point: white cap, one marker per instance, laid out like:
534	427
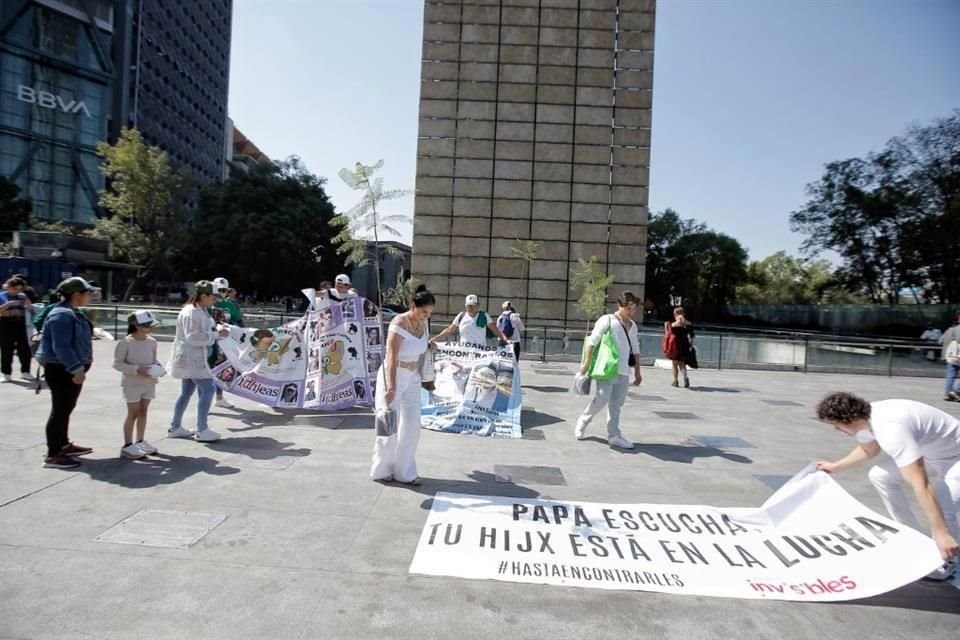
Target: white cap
506	304
342	279
220	283
143	317
472	299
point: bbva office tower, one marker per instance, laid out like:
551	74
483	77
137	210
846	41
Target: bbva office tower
534	125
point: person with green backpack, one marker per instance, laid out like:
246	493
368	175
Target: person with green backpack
473	325
609	353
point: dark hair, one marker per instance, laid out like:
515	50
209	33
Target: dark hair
627	298
678	311
195	298
55	297
422	297
15	281
843	408
131	329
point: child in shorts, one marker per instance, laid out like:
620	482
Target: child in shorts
136	358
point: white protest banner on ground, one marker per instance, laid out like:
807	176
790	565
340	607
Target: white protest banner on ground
477	390
325	360
810	541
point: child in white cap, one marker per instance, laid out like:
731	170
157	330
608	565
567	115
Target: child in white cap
135	356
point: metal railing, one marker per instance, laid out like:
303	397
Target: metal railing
715	350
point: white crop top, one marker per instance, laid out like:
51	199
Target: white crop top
412	347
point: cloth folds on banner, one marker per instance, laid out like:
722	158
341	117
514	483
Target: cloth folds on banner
477	390
325	360
810	541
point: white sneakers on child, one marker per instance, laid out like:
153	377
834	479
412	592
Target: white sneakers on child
132	452
146	447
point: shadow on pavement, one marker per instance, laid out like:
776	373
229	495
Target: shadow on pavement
152	471
480	483
546	389
940	597
683	453
257	447
717	389
530	419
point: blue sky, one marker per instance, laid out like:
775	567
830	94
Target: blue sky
751	97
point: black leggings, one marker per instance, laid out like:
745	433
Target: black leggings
13	337
64	393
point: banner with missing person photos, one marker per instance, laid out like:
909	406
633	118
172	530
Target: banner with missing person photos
477	390
326	360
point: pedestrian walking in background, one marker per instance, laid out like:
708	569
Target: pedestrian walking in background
195	335
135	356
14	310
950	340
511	326
66	353
612	393
472	325
682	331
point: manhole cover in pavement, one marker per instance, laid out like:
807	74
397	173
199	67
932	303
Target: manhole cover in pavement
772	481
724	442
783	403
677	415
520	474
162	528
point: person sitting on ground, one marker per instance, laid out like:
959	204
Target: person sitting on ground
472	325
923	445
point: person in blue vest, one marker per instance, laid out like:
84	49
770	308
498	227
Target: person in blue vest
511	326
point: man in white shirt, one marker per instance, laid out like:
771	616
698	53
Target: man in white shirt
472	325
923	445
613	393
952	386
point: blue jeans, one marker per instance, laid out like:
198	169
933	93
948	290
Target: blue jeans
204	388
953	372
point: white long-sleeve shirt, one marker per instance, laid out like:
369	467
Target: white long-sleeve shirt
195	335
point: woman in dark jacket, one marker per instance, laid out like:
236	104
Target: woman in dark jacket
66	353
683	333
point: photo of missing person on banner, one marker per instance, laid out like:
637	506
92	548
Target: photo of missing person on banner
290	394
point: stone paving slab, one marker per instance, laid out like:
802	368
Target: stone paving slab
311	548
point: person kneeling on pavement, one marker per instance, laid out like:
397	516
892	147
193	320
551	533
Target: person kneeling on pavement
923	445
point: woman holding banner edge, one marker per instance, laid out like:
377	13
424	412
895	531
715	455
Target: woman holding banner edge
398	388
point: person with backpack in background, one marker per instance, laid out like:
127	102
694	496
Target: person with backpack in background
511	325
14	308
473	325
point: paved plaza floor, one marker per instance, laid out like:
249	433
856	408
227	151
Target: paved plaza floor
301	544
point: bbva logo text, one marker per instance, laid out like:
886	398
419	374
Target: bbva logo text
51	101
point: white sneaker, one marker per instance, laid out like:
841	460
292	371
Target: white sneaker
581	431
6	378
942	573
180	432
223	403
132	452
28	376
620	442
146	447
207	435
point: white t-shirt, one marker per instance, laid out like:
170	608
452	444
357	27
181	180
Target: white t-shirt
469	331
623	345
907	430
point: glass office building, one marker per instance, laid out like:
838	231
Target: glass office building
75	72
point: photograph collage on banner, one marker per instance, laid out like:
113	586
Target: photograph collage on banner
320	361
477	390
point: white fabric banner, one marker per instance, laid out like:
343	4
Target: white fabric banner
810	541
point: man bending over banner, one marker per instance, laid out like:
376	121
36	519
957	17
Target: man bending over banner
924	448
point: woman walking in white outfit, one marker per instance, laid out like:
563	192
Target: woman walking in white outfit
398	387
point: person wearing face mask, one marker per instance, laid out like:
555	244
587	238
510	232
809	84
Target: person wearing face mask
196	334
66	353
398	388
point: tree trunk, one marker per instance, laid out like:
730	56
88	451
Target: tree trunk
376	250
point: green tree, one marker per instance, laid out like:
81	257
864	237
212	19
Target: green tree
590	281
268	230
145	199
364	220
526	251
687	260
401	294
14	210
786	279
893	216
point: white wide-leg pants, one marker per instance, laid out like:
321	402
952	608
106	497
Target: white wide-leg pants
396	455
944	476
